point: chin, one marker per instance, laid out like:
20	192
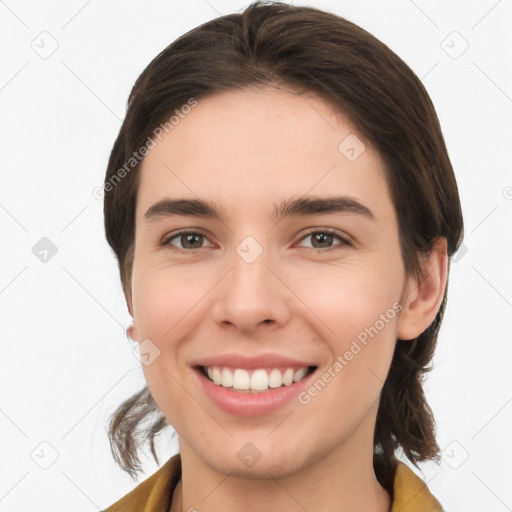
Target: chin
259	460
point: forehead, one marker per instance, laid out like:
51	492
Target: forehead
260	147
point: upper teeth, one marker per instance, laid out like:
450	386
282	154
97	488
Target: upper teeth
259	380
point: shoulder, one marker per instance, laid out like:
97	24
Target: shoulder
153	494
411	493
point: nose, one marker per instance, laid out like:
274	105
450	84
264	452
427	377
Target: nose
250	297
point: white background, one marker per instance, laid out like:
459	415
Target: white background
66	363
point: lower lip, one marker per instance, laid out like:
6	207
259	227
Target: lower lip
252	404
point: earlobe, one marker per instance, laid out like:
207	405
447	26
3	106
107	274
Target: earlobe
423	297
131	332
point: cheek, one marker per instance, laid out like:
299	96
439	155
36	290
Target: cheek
350	296
166	309
166	301
358	307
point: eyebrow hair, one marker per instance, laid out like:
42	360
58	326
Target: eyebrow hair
292	207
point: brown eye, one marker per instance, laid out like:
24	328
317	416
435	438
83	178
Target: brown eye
324	240
186	241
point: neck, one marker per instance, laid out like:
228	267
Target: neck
338	482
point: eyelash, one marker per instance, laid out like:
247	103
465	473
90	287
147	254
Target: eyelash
344	240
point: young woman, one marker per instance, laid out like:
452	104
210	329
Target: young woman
283	209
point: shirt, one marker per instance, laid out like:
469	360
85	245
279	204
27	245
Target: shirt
155	493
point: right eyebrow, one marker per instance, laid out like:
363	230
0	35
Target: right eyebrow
193	207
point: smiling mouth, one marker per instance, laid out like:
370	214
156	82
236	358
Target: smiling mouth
255	380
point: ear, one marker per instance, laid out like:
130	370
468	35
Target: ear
132	332
422	298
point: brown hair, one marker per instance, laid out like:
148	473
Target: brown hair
272	43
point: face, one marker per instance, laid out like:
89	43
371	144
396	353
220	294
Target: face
257	289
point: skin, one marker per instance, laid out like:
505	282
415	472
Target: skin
245	151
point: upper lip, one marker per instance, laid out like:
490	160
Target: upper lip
234	360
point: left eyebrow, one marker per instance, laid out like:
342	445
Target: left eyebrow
303	206
322	205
